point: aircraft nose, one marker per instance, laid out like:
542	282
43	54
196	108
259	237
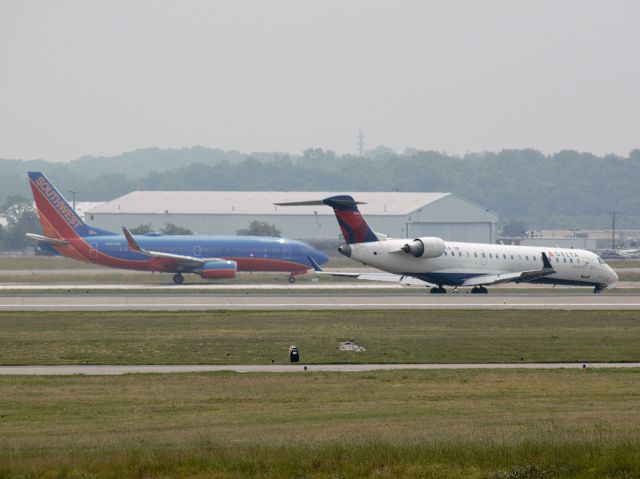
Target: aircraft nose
320	257
613	277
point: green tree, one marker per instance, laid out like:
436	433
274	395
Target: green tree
171	229
21	218
141	229
259	228
514	228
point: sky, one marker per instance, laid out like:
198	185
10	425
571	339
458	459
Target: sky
103	77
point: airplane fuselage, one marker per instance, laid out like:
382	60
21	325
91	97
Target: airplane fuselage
461	261
251	253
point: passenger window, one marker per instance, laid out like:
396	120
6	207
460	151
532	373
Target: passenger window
483	255
490	256
557	259
511	256
520	257
527	257
459	253
533	258
475	255
504	256
445	253
570	260
578	260
564	259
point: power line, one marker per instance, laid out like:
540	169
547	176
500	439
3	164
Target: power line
613	228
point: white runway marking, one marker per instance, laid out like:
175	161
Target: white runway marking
284	368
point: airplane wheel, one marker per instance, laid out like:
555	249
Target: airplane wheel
597	290
439	290
292	279
483	290
178	278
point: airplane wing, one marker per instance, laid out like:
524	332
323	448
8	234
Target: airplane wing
46	239
180	259
385	277
517	277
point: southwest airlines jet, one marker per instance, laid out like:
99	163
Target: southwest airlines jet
433	261
211	257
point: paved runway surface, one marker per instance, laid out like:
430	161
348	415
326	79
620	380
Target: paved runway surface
302	301
270	368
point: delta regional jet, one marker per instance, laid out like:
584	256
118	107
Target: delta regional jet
210	257
434	262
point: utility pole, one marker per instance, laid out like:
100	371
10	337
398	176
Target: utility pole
613	229
360	143
73	194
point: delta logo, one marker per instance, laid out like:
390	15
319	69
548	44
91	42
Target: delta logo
58	202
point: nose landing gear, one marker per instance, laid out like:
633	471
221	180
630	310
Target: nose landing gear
597	289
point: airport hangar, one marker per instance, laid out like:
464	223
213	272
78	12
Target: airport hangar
395	214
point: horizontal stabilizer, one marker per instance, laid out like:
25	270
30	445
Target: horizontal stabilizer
47	240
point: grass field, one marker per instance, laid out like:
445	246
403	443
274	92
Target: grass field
432	424
258	337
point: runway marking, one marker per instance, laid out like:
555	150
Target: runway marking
283	368
321	305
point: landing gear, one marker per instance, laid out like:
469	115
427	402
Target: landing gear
438	290
178	278
292	279
479	290
597	289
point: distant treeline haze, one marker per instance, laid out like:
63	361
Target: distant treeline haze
565	190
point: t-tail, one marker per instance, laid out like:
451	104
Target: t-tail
353	225
59	221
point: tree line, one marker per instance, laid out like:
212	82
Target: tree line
565	190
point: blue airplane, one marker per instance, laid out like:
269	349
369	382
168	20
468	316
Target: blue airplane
210	257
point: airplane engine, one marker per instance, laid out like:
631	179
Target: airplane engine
428	247
218	269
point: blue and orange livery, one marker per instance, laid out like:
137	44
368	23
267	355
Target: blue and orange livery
211	257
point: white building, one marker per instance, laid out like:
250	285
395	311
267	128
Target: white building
225	212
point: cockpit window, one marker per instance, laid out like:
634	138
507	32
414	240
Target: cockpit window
600	260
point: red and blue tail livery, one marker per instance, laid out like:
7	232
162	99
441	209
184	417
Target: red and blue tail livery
352	224
211	257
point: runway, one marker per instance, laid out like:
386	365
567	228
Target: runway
284	368
302	301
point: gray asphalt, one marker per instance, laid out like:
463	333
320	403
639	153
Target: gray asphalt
285	368
302	301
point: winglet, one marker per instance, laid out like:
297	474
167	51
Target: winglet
315	265
546	264
133	244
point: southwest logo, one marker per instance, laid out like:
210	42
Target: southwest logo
58	202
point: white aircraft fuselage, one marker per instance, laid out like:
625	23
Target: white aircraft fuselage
461	261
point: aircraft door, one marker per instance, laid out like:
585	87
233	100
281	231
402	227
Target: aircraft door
93	250
483	259
586	269
197	251
286	251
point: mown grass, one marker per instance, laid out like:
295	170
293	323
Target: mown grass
480	424
258	337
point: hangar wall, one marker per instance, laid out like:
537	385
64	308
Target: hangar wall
448	216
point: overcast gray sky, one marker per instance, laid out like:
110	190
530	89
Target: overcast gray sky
86	77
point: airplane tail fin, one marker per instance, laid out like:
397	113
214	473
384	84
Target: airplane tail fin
353	225
57	218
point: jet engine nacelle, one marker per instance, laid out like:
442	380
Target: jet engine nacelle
218	269
428	247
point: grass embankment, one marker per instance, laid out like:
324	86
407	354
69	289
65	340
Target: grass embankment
490	424
258	337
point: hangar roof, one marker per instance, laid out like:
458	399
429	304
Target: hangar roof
259	202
